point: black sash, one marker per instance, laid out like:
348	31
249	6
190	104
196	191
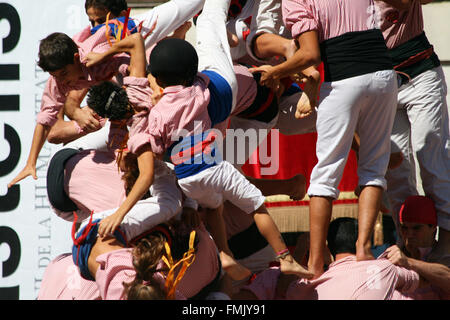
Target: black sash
414	57
55	181
354	54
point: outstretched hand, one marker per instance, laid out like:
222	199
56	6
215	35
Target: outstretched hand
29	170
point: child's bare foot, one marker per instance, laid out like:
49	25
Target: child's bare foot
297	187
363	252
235	270
289	266
308	100
180	32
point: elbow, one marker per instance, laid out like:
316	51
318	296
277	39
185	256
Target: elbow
312	58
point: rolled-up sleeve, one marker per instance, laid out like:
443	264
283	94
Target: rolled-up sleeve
298	16
138	91
53	99
156	130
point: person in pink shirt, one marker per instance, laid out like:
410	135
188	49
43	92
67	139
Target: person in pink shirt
194	102
62	281
145	270
418	226
345	279
421	126
359	79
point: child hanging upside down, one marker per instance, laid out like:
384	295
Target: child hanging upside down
195	102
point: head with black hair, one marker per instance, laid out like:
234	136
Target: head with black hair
173	62
342	236
97	10
58	55
110	101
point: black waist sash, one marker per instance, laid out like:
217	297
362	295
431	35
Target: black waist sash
414	57
354	54
55	181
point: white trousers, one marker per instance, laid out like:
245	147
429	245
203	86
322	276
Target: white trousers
212	45
212	186
421	132
164	204
168	17
364	104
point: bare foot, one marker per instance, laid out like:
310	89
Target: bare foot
235	270
308	99
180	32
297	186
289	266
317	270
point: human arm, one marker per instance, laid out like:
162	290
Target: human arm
308	55
435	274
133	45
64	131
40	135
85	117
145	161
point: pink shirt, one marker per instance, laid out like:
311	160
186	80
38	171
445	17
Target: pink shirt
62	281
93	182
180	108
55	93
399	26
329	18
116	267
346	279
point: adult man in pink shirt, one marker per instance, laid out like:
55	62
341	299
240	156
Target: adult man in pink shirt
358	95
418	226
421	126
345	279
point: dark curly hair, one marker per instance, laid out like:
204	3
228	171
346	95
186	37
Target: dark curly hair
115	6
109	100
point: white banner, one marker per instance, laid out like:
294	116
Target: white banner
31	235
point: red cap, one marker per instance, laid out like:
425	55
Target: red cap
418	209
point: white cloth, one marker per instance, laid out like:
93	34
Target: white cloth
421	132
365	104
212	186
164	204
168	17
212	46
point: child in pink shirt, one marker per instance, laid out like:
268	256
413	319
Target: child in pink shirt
191	104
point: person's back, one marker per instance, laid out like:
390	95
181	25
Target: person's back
348	279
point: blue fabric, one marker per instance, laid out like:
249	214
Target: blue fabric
199	160
221	100
294	88
84	250
131	26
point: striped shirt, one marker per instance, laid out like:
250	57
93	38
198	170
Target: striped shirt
399	26
116	267
346	279
62	281
329	18
55	93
